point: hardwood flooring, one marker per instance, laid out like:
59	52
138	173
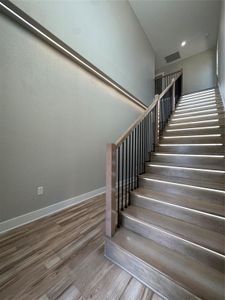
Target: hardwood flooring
61	257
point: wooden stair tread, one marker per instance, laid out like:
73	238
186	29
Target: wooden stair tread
172	233
203	281
219	187
190	131
209	161
188	125
193	140
192	149
200	236
185	201
199	113
196	166
204	105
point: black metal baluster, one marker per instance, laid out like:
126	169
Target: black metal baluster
151	127
165	109
122	175
150	134
126	172
138	158
140	148
143	146
160	115
154	128
129	164
143	122
118	187
132	162
129	167
145	140
135	158
147	136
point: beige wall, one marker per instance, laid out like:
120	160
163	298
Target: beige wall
199	71
221	53
55	118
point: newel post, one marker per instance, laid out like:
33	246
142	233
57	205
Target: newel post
157	120
173	94
110	219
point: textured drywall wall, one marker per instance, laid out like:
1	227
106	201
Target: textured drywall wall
56	118
107	33
199	71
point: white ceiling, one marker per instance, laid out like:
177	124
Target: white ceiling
168	22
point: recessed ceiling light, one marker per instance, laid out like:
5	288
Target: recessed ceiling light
183	43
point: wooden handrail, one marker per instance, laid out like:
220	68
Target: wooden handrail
125	159
142	116
169	74
135	124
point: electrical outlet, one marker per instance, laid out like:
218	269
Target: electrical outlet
40	190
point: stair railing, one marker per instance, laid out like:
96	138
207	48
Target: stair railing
162	81
125	159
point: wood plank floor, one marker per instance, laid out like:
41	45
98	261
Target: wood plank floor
62	257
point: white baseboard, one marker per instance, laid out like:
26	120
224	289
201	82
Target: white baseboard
46	211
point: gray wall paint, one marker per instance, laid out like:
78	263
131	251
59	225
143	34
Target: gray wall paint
221	53
107	33
55	118
199	71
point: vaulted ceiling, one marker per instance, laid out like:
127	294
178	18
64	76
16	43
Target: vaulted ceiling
169	22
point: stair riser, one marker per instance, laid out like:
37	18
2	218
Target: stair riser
198	118
210	91
199	113
198	97
194	140
204	205
183	214
173	242
191	108
213	177
216	163
205	123
147	275
182	190
193	131
200	102
191	149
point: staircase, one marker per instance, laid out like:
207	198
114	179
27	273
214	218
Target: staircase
171	233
